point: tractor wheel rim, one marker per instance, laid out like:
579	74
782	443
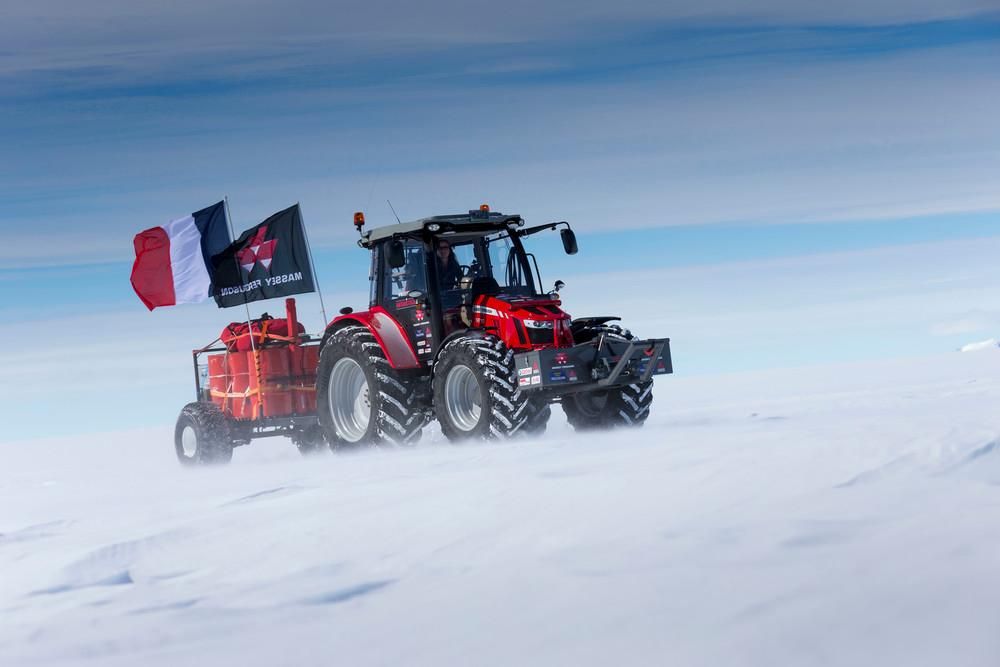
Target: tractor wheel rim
189	441
462	398
349	400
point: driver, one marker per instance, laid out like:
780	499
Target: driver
448	269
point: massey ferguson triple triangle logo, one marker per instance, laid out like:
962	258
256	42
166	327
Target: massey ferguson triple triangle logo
257	250
268	261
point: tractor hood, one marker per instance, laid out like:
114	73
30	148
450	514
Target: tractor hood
525	322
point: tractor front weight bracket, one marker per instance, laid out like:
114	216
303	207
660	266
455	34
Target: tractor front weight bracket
593	365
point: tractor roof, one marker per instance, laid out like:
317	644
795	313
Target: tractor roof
473	221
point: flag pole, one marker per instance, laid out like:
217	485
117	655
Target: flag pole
312	265
239	272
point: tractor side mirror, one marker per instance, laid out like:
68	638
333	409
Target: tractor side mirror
558	286
397	257
569	241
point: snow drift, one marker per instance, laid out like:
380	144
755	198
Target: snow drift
837	515
981	345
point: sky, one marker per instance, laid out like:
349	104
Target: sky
738	151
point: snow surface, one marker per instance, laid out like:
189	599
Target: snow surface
980	345
838	515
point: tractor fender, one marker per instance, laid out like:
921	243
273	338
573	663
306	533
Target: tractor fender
465	333
388	334
462	333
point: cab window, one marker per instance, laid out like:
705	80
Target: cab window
511	273
412	276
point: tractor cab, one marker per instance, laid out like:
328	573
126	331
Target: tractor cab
439	276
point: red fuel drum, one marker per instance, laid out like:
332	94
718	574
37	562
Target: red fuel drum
277	379
304	361
218	379
239	382
287	383
270	394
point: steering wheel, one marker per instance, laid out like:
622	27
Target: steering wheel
466	270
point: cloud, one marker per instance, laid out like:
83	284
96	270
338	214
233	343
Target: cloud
786	142
654	120
89	40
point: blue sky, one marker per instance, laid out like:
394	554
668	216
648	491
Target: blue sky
673	135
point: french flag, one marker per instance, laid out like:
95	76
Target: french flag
173	263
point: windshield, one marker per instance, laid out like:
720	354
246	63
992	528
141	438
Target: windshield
494	264
508	266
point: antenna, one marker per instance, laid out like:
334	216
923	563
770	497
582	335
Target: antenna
398	221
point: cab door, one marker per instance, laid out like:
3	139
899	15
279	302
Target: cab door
398	297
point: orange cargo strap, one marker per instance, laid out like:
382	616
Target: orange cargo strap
238	394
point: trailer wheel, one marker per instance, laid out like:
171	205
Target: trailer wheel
619	406
202	435
475	390
360	399
310	440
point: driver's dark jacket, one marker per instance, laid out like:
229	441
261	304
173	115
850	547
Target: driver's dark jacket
449	275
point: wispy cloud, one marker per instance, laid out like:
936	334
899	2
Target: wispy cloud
61	26
120	116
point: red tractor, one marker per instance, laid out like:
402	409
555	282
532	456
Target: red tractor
458	328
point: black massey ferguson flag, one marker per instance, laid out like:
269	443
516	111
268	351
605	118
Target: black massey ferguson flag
268	261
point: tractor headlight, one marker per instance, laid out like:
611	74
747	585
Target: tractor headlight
538	324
